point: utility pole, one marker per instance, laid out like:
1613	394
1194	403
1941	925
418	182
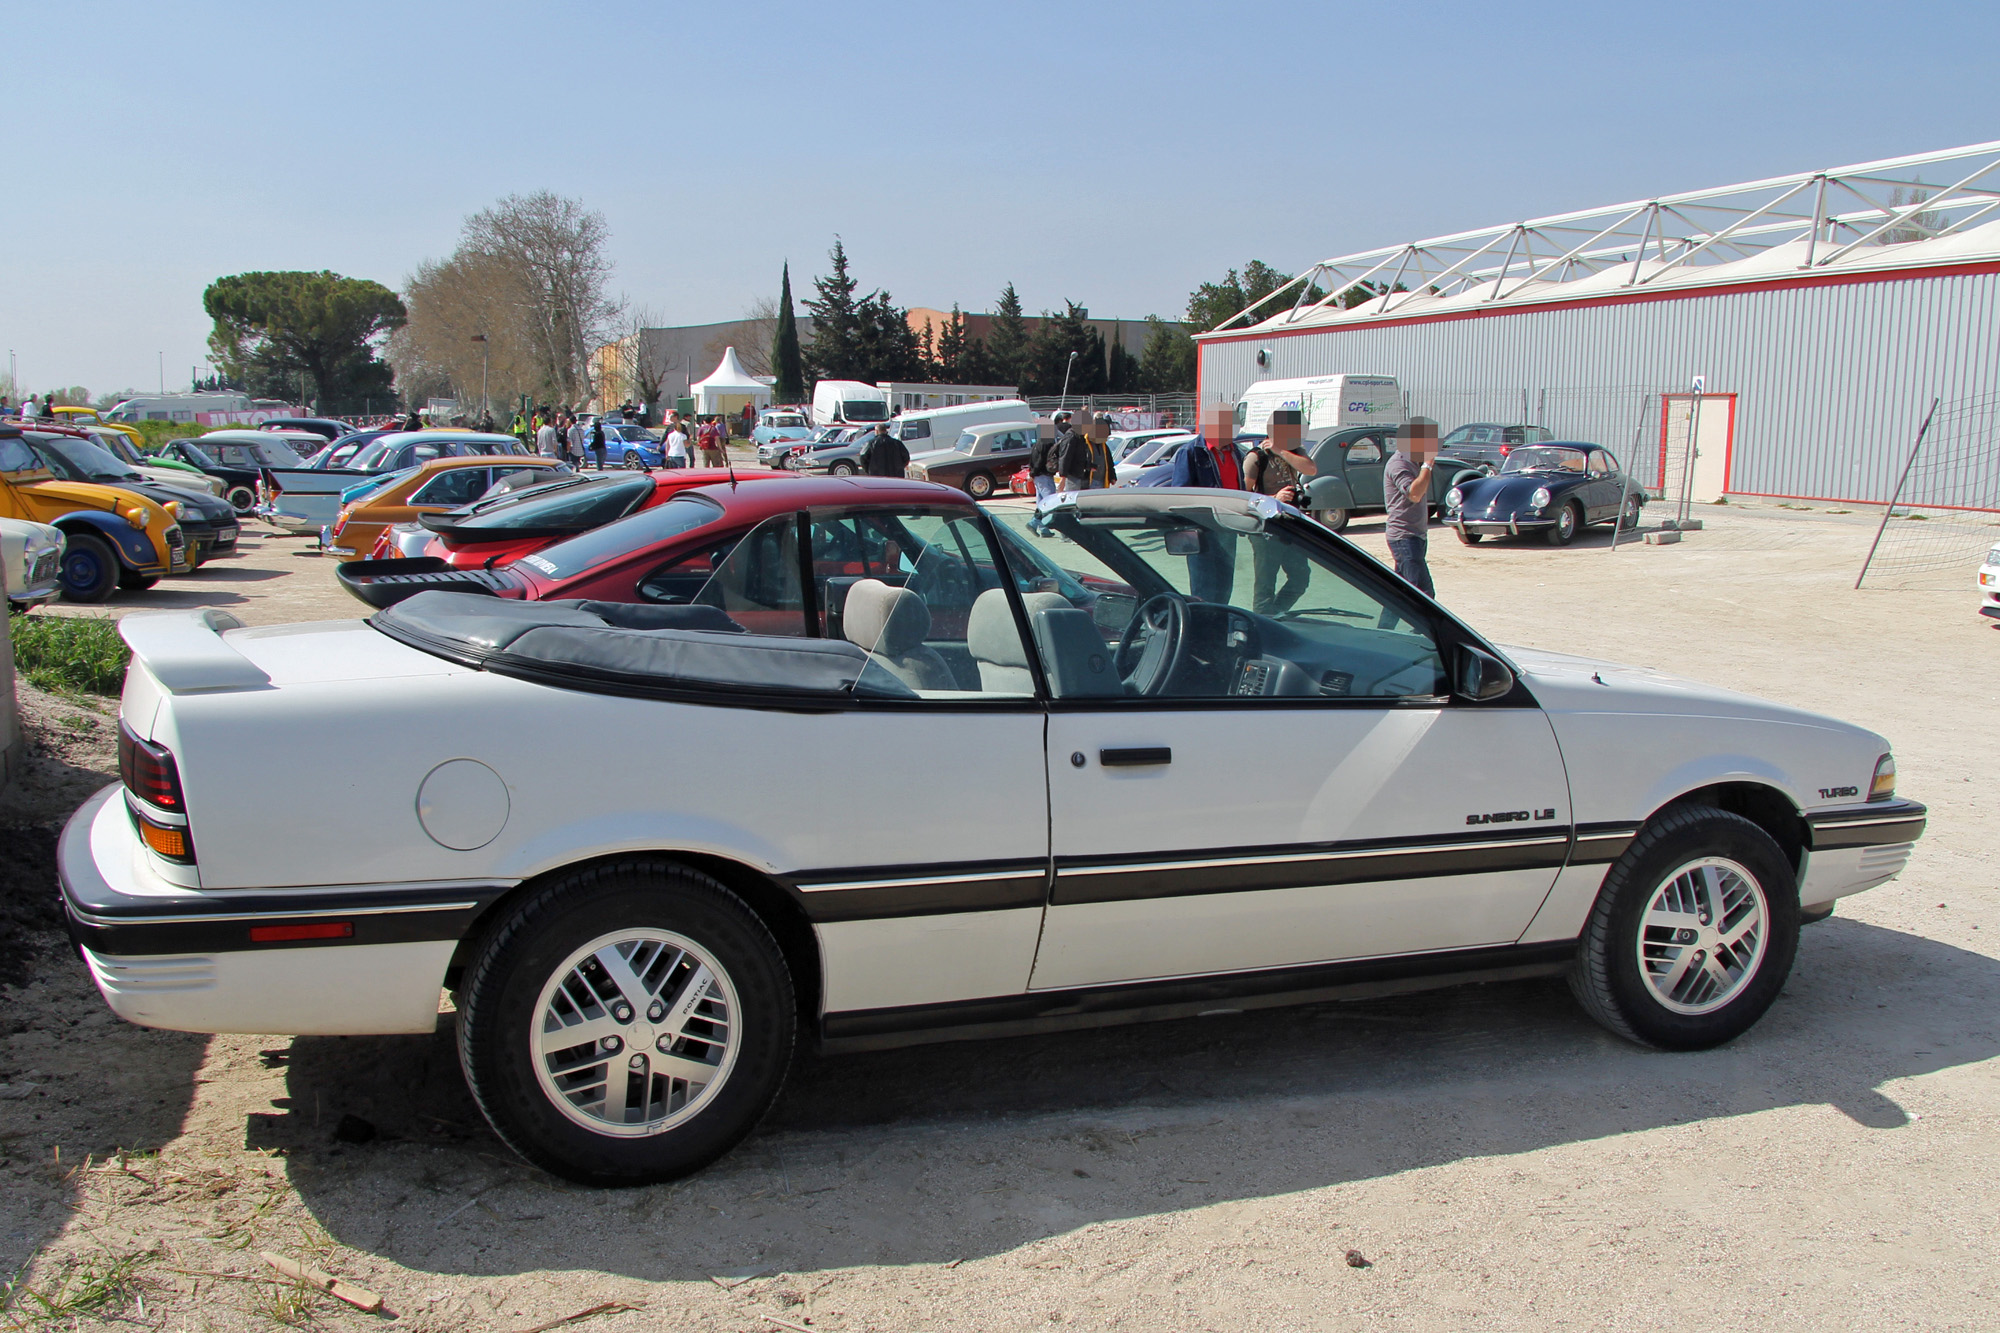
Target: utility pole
163	373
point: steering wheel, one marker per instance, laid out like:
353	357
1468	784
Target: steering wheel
1159	632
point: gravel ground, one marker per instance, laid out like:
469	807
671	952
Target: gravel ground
1476	1158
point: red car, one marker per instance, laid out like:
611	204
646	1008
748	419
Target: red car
663	553
500	529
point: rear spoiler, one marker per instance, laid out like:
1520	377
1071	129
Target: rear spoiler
186	653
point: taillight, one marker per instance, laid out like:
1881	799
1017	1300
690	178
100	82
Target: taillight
149	772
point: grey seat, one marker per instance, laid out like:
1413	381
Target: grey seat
994	640
891	625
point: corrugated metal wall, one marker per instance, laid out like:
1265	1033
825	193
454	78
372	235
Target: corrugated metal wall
1832	381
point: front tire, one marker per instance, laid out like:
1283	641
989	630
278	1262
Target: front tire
1693	934
1628	517
681	1005
1333	520
842	469
138	582
1569	521
1470	538
633	462
90	569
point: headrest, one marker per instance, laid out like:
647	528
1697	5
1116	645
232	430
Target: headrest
990	632
884	619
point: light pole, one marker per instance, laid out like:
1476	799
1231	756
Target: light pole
1067	367
480	338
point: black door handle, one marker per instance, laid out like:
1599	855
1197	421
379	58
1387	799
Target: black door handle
1136	757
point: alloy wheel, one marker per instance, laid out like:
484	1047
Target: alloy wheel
1703	935
635	1032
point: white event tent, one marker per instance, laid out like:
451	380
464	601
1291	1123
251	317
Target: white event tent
729	388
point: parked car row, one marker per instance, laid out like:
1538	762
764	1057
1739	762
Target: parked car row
113	536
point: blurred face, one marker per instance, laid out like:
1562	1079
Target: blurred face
1218	423
1100	430
1285	435
1420	443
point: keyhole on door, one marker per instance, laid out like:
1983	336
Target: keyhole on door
1076	759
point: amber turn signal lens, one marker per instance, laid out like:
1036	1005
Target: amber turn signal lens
168	842
1884	785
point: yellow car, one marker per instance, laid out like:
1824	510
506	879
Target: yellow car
433	488
115	538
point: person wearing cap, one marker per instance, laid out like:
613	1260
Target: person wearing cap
1084	458
1406	496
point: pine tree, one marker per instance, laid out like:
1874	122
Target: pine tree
1008	342
885	349
951	350
836	322
1049	365
786	360
1166	363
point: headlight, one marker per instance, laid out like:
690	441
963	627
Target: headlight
1540	499
1884	785
172	507
1453	498
136	516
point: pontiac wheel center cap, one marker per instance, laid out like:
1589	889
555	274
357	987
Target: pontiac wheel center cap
641	1034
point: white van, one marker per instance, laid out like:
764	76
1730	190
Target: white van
1329	402
848	403
939	427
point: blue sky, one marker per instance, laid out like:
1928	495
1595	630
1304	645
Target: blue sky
1110	154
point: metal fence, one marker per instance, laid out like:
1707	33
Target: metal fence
1940	520
1128	411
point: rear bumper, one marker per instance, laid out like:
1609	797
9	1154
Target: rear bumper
170	957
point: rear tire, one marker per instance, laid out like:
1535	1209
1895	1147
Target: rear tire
719	998
979	486
1333	520
241	498
1569	522
90	569
1693	934
842	469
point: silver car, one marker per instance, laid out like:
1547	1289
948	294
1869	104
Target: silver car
30	562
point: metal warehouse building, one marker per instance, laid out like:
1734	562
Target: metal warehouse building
1823	313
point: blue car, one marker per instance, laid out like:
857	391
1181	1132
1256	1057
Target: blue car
1555	489
631	446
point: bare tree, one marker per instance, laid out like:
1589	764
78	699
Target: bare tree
642	371
552	250
750	336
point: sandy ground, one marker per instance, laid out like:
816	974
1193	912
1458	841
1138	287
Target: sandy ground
1494	1159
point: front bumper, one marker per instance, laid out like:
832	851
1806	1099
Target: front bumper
1511	526
1857	848
165	956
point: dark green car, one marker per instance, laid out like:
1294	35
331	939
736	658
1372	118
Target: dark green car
1349	480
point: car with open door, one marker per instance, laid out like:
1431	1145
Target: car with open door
1555	490
1349	479
1271	772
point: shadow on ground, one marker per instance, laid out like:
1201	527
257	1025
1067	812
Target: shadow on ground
956	1151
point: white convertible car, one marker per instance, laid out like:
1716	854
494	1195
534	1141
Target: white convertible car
884	773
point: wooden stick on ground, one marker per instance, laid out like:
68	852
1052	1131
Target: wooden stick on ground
337	1287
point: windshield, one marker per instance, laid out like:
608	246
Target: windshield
279	453
786	419
373	484
572	508
195	455
864	410
87	458
1544	459
600	546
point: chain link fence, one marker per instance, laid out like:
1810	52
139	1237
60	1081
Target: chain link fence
1128	411
1944	514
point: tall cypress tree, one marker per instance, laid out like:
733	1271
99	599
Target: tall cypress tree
787	363
1007	342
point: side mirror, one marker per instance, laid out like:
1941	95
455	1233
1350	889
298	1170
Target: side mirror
1481	675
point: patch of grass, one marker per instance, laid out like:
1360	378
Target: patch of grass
90	1283
289	1303
70	653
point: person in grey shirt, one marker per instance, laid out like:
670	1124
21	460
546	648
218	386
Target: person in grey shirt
1406	494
